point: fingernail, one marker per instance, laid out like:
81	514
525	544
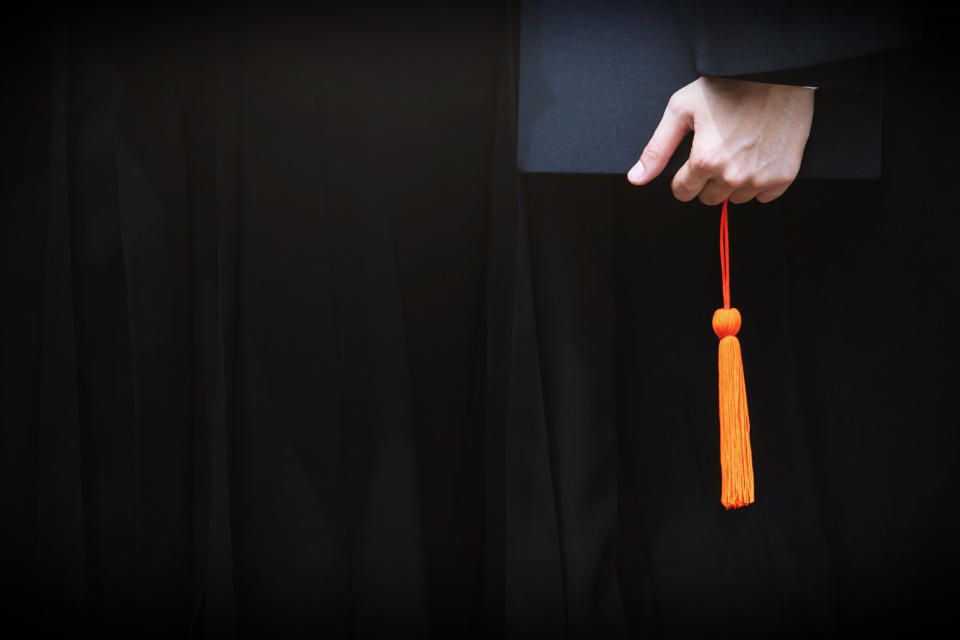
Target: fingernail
636	173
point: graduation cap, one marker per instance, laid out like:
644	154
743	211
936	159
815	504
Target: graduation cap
595	78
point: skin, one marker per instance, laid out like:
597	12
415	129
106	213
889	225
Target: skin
748	140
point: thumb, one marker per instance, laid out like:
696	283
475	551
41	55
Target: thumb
674	125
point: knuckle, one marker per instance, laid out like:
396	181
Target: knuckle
736	178
709	199
653	151
674	104
704	162
767	197
681	191
783	177
678	107
770	194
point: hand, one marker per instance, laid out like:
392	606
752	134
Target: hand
748	140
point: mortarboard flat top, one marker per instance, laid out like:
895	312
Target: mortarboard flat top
595	78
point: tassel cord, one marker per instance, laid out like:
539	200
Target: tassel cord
736	456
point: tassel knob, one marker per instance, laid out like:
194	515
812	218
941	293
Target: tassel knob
726	322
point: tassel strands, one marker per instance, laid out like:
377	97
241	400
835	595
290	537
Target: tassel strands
736	457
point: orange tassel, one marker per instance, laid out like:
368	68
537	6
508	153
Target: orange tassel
736	458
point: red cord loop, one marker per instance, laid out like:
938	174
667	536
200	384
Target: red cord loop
725	256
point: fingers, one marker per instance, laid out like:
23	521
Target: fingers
744	194
713	181
674	125
772	194
715	192
748	140
689	181
743	148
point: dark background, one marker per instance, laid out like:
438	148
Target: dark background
289	347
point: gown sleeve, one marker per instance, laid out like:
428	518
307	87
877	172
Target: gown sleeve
829	45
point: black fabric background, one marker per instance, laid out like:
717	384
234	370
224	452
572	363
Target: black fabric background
290	348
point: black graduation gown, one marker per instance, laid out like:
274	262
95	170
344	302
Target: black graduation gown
291	348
